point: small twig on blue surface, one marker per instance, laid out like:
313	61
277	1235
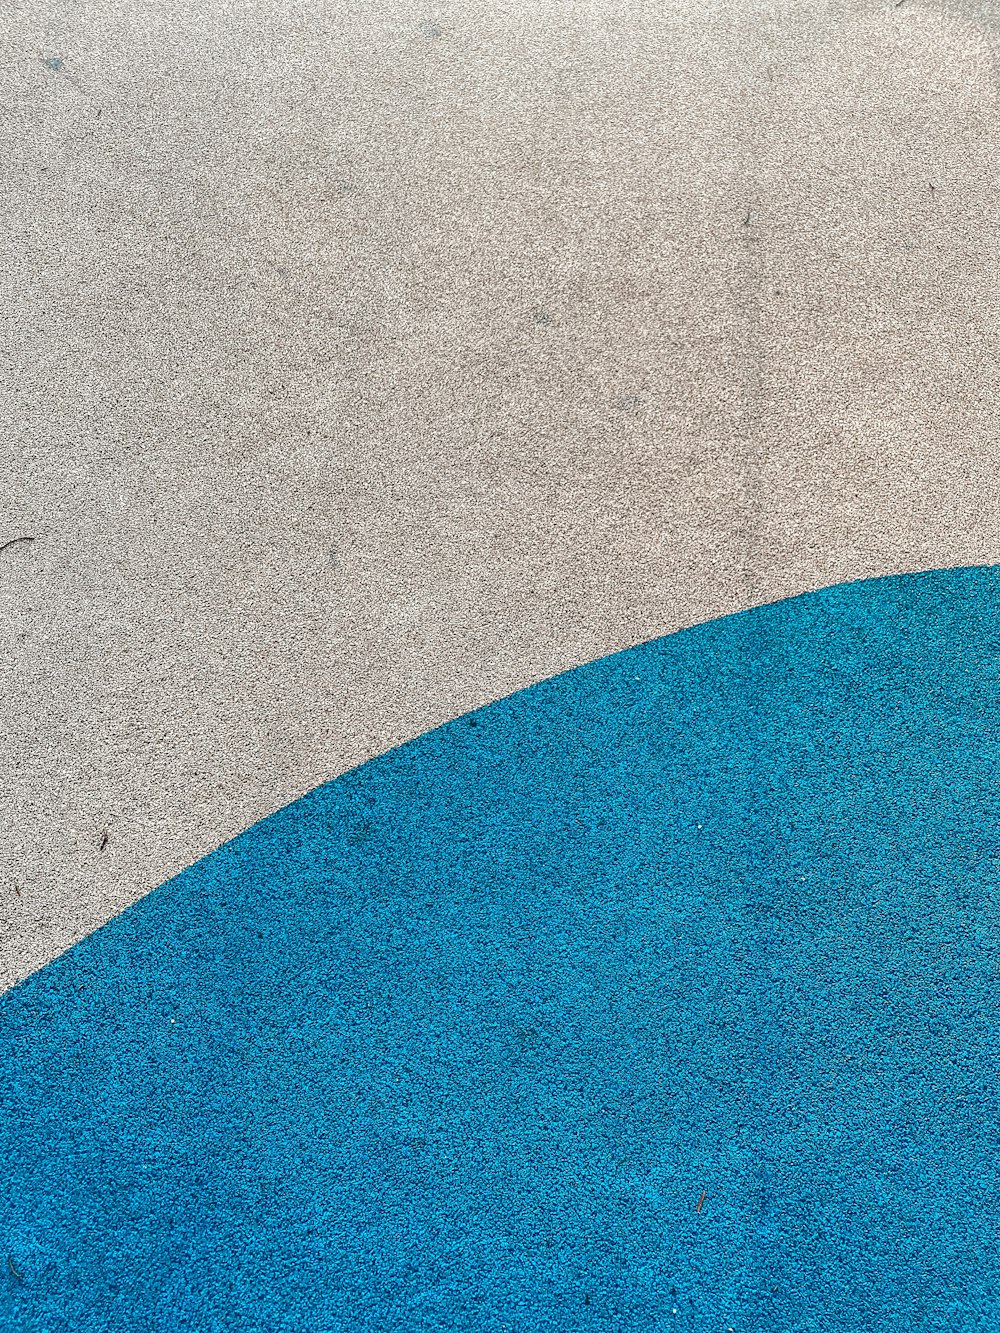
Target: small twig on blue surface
704	1196
14	1270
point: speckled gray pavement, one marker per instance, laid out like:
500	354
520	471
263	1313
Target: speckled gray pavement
361	366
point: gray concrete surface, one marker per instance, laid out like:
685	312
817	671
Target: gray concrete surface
361	366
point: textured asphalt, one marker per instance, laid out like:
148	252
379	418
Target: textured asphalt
361	367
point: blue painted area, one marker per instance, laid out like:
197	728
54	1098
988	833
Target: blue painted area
459	1040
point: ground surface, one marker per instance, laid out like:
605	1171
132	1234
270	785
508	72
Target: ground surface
664	995
360	367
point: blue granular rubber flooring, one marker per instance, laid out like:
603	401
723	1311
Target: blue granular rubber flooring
662	995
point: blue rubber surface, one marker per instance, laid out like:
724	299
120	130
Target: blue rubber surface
462	1039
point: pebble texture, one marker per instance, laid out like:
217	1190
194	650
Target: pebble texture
361	366
663	995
